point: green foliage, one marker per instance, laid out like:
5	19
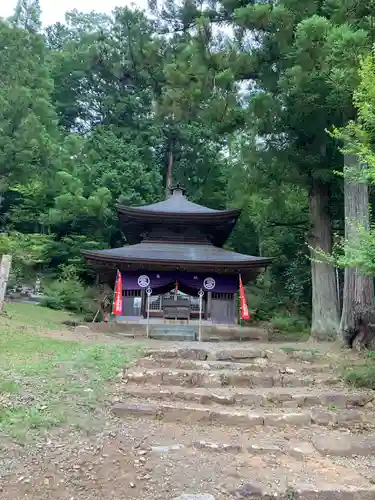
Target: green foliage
289	324
358	141
91	110
69	293
362	375
285	327
29	254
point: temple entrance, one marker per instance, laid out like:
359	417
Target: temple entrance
183	308
172	306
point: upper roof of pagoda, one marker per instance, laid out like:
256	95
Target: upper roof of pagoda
177	210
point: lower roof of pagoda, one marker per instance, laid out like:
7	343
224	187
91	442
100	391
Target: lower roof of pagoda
174	256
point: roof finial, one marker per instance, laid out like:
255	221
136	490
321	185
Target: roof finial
169	173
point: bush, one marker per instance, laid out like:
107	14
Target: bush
362	375
286	327
69	293
292	324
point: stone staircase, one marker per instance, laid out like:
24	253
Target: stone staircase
284	412
173	332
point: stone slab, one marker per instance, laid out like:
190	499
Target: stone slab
330	492
281	420
140	409
217	447
188	496
345	446
235	354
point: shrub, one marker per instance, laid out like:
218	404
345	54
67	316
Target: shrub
68	292
287	327
362	375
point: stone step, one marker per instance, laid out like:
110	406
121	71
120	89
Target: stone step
285	397
343	446
291	441
302	491
257	364
225	378
173	335
244	353
267	466
237	417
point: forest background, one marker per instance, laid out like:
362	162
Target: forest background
263	105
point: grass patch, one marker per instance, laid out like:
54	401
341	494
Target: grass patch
362	375
47	382
34	316
298	352
288	328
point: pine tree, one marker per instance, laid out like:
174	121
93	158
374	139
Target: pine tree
27	15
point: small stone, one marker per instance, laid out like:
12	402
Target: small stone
287	371
260	448
347	417
301	449
249	491
224	400
81	329
321	417
187	496
261	362
166	449
132	485
297	419
218	447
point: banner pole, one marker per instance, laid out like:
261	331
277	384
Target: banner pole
240	280
149	292
200	294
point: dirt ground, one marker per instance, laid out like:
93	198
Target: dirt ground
141	459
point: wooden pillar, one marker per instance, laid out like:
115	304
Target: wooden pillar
236	309
209	305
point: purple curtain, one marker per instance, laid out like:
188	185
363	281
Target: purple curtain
188	281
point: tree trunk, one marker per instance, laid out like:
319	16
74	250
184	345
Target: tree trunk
358	289
325	308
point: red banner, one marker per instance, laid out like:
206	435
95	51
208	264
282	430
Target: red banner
243	303
117	301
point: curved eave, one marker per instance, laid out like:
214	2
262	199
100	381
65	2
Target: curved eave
142	214
100	260
217	225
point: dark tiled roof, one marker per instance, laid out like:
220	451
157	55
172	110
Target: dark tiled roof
179	253
177	204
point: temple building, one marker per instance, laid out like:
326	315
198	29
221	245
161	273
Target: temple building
175	251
